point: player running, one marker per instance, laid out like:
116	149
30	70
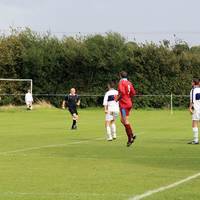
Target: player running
194	109
72	101
126	92
111	108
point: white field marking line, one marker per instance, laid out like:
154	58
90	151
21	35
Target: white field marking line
58	194
50	146
151	192
47	146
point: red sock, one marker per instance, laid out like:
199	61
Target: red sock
129	131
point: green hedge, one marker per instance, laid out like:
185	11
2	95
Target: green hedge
56	65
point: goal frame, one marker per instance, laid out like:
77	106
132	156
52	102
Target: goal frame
19	80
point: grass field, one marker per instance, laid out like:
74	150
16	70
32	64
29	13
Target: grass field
42	159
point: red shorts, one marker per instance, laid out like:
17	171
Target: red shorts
125	111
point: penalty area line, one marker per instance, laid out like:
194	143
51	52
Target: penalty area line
173	185
47	146
65	194
52	146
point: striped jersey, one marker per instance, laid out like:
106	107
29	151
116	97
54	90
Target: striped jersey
195	98
109	100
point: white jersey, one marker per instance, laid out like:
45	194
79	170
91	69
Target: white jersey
195	98
28	97
109	100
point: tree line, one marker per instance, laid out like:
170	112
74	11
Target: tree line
88	63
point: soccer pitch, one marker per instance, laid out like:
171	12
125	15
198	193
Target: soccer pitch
42	159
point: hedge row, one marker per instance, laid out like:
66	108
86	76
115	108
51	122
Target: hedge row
88	63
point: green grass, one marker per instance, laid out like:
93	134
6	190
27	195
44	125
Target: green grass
87	168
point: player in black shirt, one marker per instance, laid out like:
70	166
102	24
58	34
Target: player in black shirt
72	101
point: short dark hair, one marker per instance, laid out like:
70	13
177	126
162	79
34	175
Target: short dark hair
195	81
123	74
111	84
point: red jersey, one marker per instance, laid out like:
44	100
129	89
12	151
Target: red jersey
126	92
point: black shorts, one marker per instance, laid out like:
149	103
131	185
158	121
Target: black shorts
73	111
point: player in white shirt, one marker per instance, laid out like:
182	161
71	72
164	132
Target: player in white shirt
111	108
29	100
194	109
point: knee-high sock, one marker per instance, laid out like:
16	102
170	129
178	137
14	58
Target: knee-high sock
196	134
74	123
129	131
109	136
113	130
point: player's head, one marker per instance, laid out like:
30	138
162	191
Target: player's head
111	84
123	74
29	91
72	90
195	82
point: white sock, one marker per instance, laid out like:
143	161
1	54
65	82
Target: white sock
109	136
196	134
113	130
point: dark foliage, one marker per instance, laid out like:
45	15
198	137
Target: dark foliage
56	65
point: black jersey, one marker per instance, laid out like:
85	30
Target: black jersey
72	100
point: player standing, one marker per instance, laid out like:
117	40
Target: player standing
29	100
72	101
111	108
126	92
194	109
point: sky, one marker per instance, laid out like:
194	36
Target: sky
140	20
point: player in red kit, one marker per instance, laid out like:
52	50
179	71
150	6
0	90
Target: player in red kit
126	92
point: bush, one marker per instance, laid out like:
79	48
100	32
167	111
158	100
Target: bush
56	65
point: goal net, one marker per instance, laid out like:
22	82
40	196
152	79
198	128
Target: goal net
12	91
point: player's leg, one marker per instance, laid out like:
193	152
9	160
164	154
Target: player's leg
27	106
108	127
75	119
108	131
126	123
30	106
195	120
195	132
113	126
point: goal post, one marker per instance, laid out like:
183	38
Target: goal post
20	80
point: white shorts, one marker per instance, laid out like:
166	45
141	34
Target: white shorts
29	103
111	116
196	116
